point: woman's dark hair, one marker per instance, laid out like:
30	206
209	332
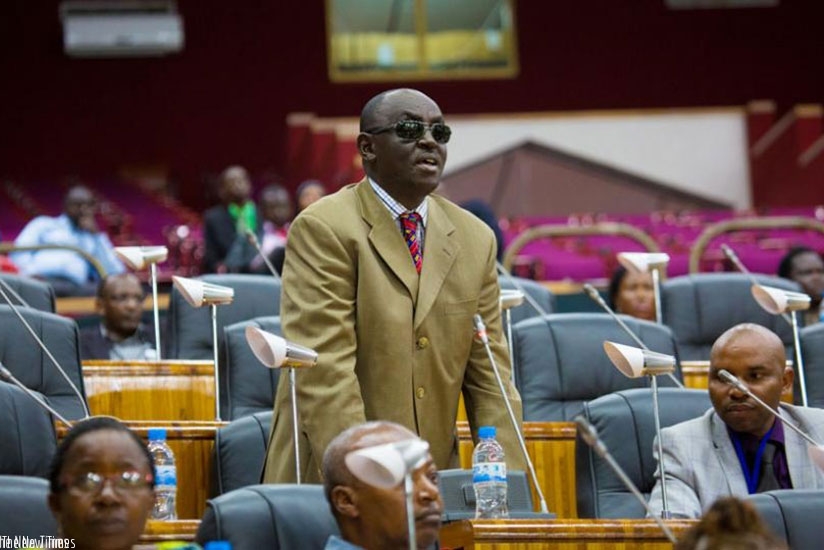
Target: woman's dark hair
615	285
90	425
785	268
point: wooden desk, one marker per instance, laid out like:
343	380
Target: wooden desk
192	444
695	377
151	390
559	534
161	531
78	306
551	446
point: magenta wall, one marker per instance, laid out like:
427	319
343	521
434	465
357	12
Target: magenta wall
225	98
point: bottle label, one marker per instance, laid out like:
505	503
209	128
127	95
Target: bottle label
166	475
489	471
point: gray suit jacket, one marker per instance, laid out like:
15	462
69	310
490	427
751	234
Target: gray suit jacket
700	463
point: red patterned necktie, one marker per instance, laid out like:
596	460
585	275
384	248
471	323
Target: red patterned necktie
409	228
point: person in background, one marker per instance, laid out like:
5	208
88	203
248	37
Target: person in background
224	225
805	267
730	524
737	448
370	518
120	335
68	272
101	485
382	279
484	212
632	294
308	192
276	208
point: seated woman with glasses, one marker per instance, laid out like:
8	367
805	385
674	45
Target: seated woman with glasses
102	485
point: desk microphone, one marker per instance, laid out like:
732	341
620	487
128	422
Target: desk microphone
739	265
46	351
480	332
596	297
590	436
14	293
6	375
253	240
740	386
518	286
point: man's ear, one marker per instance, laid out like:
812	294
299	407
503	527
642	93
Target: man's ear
366	147
787	379
98	306
345	501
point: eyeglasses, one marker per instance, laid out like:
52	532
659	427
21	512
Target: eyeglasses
91	483
415	129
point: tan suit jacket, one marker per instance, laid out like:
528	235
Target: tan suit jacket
392	345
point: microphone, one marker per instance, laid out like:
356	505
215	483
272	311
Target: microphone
6	375
590	436
739	265
14	293
596	297
518	286
46	351
253	240
740	386
480	331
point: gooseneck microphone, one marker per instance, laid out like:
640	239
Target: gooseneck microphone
253	240
46	351
480	332
530	300
14	293
596	297
6	375
739	265
590	436
740	386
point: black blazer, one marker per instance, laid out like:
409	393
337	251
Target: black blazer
94	346
221	238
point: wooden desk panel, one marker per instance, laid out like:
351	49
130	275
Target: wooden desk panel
551	446
560	534
161	531
151	390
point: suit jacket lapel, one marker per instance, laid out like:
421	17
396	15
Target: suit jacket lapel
727	458
386	238
439	253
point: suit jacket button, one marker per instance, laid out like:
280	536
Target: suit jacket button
420	392
422	343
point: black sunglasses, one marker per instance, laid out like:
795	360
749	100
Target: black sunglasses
415	129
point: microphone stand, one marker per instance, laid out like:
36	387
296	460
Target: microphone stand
5	374
14	293
214	357
46	351
253	240
480	330
739	265
740	386
590	436
530	300
156	308
596	297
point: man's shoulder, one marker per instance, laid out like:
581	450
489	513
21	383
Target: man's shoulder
698	426
810	415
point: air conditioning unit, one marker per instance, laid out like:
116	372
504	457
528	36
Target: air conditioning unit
121	28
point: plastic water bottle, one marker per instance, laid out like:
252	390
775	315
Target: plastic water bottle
165	476
218	545
489	476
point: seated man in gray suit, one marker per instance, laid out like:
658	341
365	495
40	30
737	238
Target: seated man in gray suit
738	448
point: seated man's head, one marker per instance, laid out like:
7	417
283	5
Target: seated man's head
805	267
756	356
235	186
102	485
120	304
308	192
632	293
375	518
276	205
80	206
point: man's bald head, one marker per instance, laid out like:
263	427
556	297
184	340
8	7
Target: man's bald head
750	335
372	113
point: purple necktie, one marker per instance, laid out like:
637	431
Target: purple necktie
409	228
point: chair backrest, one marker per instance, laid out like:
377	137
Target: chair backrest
458	495
626	423
23	357
240	452
812	351
37	294
560	361
792	514
251	385
191	328
275	517
24	511
27	433
539	292
700	307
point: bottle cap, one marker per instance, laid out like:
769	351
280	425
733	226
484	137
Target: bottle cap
486	432
218	545
157	434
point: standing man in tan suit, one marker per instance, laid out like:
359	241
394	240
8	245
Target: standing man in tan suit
382	279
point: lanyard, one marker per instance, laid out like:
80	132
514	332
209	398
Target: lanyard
751	477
